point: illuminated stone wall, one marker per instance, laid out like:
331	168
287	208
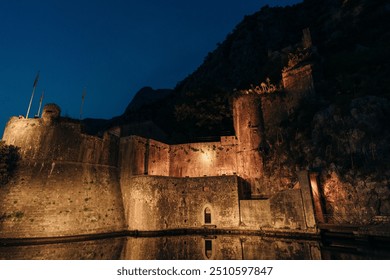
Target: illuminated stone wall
203	159
282	211
287	209
66	182
132	153
60	141
158	158
298	84
140	156
248	124
163	203
255	214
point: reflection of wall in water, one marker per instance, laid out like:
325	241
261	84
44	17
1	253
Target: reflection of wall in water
101	249
191	247
224	247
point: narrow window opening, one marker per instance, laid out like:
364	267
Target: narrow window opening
207	216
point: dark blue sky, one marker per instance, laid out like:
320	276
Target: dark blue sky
110	47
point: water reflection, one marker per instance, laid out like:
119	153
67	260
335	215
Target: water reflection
188	247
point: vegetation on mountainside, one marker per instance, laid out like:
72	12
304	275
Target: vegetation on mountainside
9	157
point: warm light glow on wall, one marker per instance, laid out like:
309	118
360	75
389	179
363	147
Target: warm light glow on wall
316	198
314	186
206	158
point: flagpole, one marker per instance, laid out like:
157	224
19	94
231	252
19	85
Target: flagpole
82	102
40	103
32	94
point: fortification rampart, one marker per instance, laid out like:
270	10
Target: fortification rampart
203	159
154	203
164	203
60	141
66	183
298	85
140	156
288	209
255	118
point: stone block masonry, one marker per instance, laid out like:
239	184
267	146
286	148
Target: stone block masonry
66	182
155	203
60	199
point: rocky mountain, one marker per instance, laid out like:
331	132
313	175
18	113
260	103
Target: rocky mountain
351	38
146	96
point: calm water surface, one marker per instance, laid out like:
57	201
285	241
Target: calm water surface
192	247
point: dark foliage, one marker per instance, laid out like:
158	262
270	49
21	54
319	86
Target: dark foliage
9	156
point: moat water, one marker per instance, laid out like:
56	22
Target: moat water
195	247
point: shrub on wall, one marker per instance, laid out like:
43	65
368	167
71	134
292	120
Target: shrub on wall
9	156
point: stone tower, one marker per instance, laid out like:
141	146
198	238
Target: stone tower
249	127
66	182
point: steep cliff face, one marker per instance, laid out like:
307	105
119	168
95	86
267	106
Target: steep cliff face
350	36
351	45
348	146
352	148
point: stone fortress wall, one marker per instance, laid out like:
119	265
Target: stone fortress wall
66	182
69	183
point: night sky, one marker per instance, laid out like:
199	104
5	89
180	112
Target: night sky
110	48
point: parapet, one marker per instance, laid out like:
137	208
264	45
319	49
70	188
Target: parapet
51	113
58	139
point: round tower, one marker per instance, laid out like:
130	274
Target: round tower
248	125
66	182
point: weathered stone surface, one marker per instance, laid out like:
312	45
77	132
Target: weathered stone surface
66	182
61	141
155	203
57	199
